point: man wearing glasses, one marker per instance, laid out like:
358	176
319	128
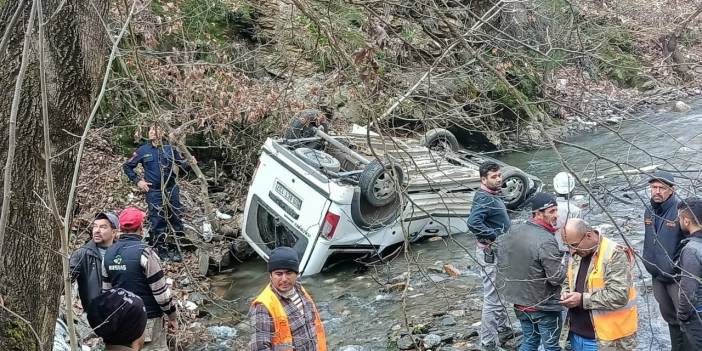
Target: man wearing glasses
601	296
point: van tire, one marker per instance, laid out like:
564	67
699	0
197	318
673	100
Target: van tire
440	139
303	123
515	186
318	159
378	185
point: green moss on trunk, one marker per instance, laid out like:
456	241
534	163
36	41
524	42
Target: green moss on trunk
16	336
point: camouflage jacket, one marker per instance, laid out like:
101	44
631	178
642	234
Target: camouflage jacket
618	278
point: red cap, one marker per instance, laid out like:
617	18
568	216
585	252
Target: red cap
131	218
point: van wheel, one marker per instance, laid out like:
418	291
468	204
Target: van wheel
303	123
514	189
439	139
318	159
377	182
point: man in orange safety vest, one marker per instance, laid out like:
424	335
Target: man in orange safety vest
283	316
601	297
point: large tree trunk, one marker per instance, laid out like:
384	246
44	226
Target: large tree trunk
76	43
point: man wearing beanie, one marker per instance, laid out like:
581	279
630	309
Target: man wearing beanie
134	266
86	262
283	315
119	318
530	272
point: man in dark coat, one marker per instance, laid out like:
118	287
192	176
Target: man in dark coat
160	162
86	262
530	271
662	237
690	296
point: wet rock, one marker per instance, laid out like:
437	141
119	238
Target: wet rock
680	107
395	287
437	278
405	343
431	341
448	321
222	332
648	85
451	270
399	278
354	348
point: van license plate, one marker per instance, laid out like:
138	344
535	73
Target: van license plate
288	195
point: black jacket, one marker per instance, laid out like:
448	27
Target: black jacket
85	266
662	237
690	299
530	267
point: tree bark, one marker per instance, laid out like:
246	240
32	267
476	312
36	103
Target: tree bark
76	43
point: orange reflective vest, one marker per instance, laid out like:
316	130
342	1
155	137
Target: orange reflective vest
609	324
282	339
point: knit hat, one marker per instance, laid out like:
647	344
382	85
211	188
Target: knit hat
110	217
117	316
131	218
283	258
663	176
542	201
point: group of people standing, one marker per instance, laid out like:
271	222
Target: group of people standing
565	281
569	284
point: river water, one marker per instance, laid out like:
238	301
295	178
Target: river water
357	311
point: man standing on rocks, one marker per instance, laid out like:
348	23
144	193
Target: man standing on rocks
530	271
283	316
489	219
690	299
662	237
162	192
601	296
132	265
86	262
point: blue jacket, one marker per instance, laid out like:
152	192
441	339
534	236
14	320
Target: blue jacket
662	237
154	159
488	217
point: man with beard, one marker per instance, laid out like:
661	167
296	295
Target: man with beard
601	297
488	219
160	162
530	271
283	316
86	262
662	237
690	297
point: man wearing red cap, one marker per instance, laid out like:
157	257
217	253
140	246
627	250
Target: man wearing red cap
132	265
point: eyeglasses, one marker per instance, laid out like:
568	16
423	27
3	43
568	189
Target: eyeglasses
575	246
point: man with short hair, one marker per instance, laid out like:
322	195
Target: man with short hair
119	318
489	219
530	271
690	297
160	162
662	237
86	262
601	296
283	316
132	265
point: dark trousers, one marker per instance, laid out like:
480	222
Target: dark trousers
540	327
692	329
667	296
164	214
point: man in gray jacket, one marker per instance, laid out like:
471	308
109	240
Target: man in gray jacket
530	271
690	297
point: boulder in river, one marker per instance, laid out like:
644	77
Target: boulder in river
680	107
405	342
431	341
